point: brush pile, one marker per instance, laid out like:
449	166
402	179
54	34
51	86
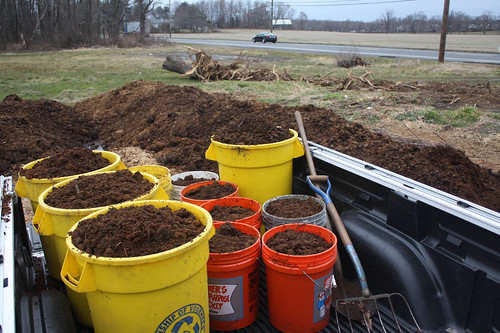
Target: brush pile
206	69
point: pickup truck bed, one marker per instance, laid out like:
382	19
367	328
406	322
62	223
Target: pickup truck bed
440	252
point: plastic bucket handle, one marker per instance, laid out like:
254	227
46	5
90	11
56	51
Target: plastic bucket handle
76	281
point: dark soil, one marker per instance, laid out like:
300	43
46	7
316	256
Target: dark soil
188	180
243	131
293	208
213	190
228	239
136	231
102	189
230	213
67	162
297	243
176	123
32	129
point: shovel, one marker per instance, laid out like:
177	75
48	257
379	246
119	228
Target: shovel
358	308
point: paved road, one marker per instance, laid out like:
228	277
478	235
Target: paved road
485	58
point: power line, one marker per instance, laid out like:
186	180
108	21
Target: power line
332	3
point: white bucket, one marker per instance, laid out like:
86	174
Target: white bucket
175	193
270	221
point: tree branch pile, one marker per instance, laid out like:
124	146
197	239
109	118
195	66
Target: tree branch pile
206	69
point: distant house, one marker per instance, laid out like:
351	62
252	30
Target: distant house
282	23
135	27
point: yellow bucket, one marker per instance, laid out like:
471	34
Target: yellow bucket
260	171
160	172
32	188
53	224
161	292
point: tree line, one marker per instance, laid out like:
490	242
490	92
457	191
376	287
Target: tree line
72	23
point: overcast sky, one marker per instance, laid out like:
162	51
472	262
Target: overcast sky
370	10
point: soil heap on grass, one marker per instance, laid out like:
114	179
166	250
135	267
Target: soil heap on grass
176	123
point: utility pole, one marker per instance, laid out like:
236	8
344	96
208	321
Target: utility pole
444	30
272	15
170	18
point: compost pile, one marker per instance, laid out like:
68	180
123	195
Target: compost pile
176	123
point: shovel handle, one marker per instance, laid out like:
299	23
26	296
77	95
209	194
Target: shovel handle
307	151
318	178
339	225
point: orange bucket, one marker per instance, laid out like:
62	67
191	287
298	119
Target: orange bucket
233	284
299	287
254	220
193	186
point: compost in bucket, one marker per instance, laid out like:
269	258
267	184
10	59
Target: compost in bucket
136	231
64	204
299	261
99	190
235	209
202	192
293	208
183	179
142	266
65	163
62	166
233	276
256	155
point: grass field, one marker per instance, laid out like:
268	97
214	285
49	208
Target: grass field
72	75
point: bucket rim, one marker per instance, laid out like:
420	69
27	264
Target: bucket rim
232	201
292	262
294	137
187	173
203	183
146	167
298	196
117	160
80	211
207	232
248	250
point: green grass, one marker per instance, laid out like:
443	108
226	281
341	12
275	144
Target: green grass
73	75
456	118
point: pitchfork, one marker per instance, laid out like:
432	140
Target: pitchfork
366	306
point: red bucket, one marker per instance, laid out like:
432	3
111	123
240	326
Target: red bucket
233	284
200	202
254	220
299	287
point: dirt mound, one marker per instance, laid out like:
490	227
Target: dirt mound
176	123
34	129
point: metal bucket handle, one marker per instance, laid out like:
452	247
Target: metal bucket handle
334	282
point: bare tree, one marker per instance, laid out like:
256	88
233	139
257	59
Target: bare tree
388	18
485	22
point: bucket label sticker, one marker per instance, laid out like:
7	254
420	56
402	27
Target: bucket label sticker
323	296
225	298
189	318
